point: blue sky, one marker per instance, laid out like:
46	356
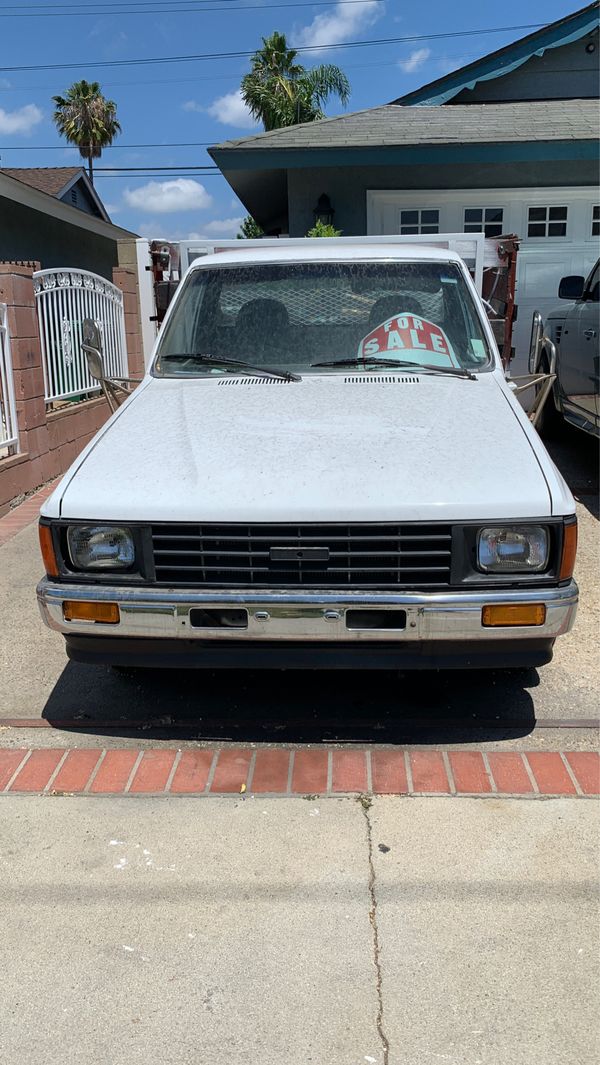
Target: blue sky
198	101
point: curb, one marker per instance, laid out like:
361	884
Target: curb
307	771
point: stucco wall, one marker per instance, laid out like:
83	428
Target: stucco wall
347	186
28	235
567	73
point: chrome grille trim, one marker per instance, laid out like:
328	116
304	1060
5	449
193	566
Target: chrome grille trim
359	555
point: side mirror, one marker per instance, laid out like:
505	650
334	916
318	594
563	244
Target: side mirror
92	346
571	287
535	343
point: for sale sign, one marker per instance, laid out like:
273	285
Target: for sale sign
409	338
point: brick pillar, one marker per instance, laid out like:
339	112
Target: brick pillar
126	280
34	464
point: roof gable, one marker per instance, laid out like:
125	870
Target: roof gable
52	180
503	61
57	181
18	191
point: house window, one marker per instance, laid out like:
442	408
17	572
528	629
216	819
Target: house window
596	221
488	220
419	221
547	222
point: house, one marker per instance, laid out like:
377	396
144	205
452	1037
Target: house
508	144
54	216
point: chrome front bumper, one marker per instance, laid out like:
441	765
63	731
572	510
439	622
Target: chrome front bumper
317	617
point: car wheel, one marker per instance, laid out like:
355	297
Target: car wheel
550	421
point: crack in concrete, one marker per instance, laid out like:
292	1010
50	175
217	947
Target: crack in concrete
365	803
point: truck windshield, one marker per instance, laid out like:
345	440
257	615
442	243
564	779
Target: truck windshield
304	317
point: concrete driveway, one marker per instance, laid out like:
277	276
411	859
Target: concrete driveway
257	932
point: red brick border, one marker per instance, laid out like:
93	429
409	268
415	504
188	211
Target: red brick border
310	770
25	513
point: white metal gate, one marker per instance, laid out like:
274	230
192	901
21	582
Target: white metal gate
64	298
9	436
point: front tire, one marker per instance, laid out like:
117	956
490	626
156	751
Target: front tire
550	422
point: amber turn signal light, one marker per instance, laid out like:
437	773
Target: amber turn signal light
569	551
47	549
514	614
107	613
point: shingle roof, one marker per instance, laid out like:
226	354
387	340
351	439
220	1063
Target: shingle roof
396	125
49	179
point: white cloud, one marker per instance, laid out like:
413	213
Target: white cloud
111	208
220	227
20	121
4	83
231	111
339	25
165	197
415	60
191	105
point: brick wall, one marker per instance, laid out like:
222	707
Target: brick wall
49	441
126	279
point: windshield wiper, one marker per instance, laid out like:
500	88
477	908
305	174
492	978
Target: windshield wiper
375	360
237	365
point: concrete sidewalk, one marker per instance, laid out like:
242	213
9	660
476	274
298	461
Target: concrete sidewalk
328	932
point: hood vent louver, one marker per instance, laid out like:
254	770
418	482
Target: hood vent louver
381	379
253	381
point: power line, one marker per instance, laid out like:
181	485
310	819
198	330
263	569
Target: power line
195	10
117	169
74	148
201	57
226	77
190	173
105	4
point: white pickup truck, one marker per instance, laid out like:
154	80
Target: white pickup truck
323	467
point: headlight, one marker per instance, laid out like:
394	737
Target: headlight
513	549
100	547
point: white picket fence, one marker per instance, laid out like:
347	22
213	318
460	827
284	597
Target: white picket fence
9	434
64	298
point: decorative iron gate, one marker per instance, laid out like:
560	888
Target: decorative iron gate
64	298
9	436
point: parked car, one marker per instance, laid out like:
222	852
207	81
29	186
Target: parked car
323	467
574	330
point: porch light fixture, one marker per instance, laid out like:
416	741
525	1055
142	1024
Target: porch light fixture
324	212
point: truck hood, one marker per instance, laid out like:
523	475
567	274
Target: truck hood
329	448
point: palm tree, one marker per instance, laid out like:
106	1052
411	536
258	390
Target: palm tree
280	92
87	119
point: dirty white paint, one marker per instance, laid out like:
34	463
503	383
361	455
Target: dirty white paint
319	450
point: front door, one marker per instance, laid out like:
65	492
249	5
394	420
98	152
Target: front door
579	354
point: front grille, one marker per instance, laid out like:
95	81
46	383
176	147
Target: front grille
335	556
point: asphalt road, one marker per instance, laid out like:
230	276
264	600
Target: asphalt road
497	708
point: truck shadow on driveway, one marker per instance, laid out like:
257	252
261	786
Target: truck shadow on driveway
576	455
295	707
